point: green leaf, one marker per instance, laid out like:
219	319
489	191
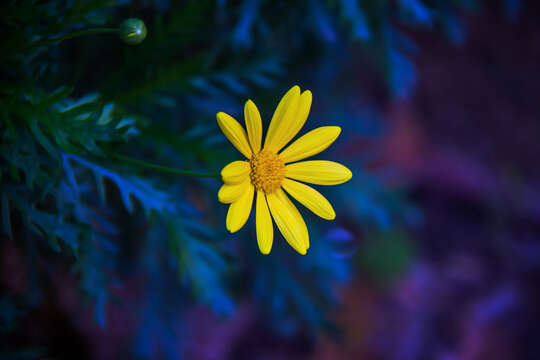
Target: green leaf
42	139
57	95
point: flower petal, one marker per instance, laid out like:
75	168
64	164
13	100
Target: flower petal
310	198
235	172
291	127
239	210
310	144
283	117
234	132
302	112
263	221
289	221
320	172
253	125
301	224
230	193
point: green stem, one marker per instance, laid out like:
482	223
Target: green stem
73	35
84	32
164	168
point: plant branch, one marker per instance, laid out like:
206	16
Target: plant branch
82	33
161	168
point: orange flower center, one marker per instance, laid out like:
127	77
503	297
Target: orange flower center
267	171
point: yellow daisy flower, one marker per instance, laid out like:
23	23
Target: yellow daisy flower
268	171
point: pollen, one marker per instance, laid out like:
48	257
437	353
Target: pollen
267	171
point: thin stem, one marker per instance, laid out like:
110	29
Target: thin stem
73	35
84	32
164	168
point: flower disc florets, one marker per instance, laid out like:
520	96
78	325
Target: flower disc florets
267	171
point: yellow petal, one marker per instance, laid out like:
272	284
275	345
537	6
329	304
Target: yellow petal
230	193
302	112
310	144
265	229
284	116
234	132
320	172
239	210
293	122
301	224
253	125
310	198
289	221
235	172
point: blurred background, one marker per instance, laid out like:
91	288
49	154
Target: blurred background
435	251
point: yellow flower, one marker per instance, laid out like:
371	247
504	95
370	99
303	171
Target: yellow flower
268	171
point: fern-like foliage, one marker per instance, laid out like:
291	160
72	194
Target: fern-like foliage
67	105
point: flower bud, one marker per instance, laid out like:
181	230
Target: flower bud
132	31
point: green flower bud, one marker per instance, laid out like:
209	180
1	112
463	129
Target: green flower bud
132	31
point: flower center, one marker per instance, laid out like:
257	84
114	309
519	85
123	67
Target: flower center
267	171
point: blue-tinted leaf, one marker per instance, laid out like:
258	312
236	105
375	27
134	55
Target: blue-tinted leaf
242	32
416	12
353	13
149	197
402	73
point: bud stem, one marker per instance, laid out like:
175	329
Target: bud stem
166	169
84	32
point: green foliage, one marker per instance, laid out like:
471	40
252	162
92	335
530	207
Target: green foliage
149	197
199	263
73	94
